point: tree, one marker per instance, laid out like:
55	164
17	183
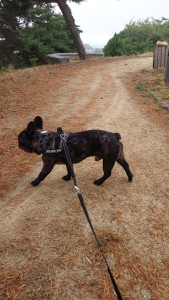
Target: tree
44	32
29	37
70	23
11	13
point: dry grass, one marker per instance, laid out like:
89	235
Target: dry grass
40	266
37	277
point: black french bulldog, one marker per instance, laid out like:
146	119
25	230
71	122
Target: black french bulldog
101	144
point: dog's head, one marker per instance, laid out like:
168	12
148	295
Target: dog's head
35	139
26	137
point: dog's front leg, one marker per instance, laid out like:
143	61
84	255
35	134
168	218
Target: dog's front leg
68	176
47	168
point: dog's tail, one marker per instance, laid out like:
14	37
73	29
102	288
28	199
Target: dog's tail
118	136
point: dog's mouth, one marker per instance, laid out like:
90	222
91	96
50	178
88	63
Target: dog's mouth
24	149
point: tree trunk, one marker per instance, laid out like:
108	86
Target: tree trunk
166	77
71	25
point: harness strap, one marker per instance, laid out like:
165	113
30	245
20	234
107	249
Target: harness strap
53	147
70	165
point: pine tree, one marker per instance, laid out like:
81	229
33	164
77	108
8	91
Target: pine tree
31	32
70	23
11	13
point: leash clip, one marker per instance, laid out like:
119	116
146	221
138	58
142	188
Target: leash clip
77	189
64	136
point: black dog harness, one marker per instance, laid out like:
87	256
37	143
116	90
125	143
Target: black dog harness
56	144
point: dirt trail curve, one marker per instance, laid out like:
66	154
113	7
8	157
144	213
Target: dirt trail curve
48	248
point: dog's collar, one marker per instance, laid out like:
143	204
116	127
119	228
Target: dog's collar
56	146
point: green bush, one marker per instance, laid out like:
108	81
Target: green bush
138	37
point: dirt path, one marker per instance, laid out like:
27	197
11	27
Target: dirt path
47	248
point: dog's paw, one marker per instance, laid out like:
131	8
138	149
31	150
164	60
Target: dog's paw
66	177
34	182
130	178
97	182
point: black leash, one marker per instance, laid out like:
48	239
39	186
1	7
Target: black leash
70	165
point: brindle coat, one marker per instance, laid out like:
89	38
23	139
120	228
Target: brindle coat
99	143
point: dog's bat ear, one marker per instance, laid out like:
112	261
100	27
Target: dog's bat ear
31	128
38	122
59	130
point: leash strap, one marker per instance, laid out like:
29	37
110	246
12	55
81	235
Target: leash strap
70	165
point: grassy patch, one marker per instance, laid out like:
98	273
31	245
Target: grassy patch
140	86
150	84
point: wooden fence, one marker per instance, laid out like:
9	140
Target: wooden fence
160	56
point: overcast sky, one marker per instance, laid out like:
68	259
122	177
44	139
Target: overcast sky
100	19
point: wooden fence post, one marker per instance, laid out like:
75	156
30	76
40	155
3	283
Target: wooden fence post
166	77
160	55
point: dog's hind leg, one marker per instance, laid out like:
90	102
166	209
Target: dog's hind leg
125	166
107	167
122	162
